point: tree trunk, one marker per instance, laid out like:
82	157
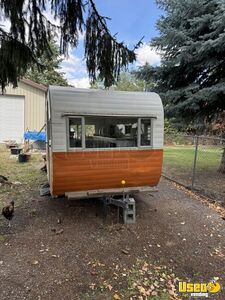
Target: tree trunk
222	163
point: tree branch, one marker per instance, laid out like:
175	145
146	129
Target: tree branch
103	23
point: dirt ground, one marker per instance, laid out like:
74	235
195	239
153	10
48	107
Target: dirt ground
61	249
208	182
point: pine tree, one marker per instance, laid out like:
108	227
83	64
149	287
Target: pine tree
50	74
30	31
192	73
191	78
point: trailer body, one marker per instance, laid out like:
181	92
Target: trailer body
96	139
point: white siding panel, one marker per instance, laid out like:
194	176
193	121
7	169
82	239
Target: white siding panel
11	118
59	137
83	101
34	117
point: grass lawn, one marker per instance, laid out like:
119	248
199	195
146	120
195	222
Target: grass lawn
178	165
27	174
183	157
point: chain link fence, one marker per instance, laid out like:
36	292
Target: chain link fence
197	162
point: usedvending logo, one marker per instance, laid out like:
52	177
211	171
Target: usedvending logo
200	289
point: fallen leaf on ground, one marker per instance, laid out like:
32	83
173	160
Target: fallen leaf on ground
145	267
109	286
94	273
142	290
92	286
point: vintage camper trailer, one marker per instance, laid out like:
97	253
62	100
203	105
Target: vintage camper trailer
97	139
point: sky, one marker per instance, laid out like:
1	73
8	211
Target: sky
130	19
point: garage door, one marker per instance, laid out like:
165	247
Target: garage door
11	118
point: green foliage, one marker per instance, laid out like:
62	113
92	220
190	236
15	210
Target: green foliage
50	75
128	82
192	74
146	74
30	31
14	60
169	128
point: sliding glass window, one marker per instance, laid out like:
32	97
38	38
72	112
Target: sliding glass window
94	132
110	132
75	132
145	132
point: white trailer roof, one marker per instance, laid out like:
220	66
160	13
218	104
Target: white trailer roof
67	101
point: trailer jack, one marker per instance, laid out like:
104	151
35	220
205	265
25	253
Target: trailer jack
124	202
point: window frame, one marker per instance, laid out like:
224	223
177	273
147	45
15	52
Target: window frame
82	133
83	147
139	132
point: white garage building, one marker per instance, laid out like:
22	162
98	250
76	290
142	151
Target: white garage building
21	109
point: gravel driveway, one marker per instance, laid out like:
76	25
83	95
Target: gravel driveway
53	244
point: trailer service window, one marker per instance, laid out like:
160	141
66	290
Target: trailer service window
109	132
75	133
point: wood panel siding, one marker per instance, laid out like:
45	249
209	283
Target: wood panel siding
90	170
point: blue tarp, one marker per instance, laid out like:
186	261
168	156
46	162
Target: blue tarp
35	136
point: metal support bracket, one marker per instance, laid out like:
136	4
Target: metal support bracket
126	203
